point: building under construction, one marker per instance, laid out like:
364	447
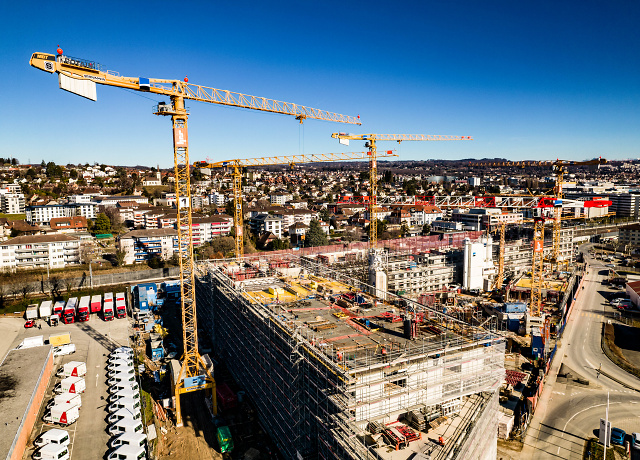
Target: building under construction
336	374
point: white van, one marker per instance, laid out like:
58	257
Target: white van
121	377
124	414
122	386
121	370
132	439
65	349
126	425
125	393
122	350
51	452
117	363
128	452
54	436
125	403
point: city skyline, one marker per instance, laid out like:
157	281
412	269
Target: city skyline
554	81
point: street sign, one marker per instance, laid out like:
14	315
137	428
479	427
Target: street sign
605	434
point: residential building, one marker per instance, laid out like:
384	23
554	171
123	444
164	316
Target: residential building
218	199
142	245
11	203
204	229
113	200
39	251
280	198
68	224
485	218
629	237
266	223
42	214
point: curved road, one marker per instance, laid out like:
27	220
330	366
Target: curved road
569	413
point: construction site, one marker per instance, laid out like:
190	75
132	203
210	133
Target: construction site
335	373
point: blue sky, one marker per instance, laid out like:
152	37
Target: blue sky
528	80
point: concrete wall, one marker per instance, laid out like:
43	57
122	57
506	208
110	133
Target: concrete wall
29	417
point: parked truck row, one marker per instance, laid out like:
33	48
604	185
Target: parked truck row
78	309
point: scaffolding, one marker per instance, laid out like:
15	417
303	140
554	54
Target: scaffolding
316	388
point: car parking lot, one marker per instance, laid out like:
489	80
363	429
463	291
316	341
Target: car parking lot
93	340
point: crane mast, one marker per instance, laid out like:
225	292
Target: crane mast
80	76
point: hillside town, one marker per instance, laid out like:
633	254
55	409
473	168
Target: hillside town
76	206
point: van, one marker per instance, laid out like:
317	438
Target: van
66	349
71	398
121	377
128	452
51	452
125	425
122	414
122	350
132	439
120	357
111	365
125	403
122	386
124	370
54	436
125	393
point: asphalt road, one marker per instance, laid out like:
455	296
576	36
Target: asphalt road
93	339
570	413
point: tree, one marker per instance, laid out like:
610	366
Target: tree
278	244
315	235
119	258
73	174
404	229
155	262
103	224
426	229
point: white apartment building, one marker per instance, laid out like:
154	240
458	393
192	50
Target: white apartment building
280	198
265	223
204	229
39	251
44	214
142	245
113	200
218	199
11	203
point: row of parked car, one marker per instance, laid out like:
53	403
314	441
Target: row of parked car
124	416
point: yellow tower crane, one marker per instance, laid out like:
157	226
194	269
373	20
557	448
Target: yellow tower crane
560	168
80	77
371	140
237	165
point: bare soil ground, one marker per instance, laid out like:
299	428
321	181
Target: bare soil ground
196	439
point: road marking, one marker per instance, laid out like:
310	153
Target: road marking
578	413
97	376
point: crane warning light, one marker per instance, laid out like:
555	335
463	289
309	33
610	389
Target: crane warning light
59	50
186	79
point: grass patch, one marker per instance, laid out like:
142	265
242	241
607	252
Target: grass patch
12	217
594	450
147	414
614	353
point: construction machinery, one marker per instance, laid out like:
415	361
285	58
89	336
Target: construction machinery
80	76
371	140
238	165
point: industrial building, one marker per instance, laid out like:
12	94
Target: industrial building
24	376
337	374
